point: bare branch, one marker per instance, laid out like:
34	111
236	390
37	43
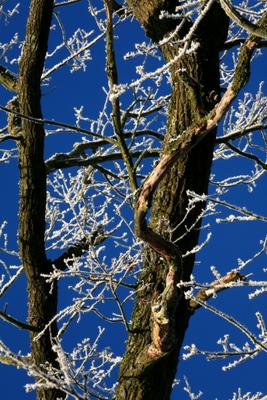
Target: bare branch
6	357
8	79
17	323
232	321
237	42
241	210
66	3
3	138
247	155
11	281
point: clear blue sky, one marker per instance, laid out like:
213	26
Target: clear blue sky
229	241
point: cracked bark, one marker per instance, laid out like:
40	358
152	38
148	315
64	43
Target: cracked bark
142	376
42	302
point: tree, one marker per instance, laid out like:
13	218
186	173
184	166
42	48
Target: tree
78	225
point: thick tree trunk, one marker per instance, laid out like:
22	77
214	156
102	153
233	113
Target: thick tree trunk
42	302
141	379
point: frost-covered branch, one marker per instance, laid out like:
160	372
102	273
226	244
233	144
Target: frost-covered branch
248	155
215	287
254	29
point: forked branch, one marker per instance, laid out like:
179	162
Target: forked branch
215	287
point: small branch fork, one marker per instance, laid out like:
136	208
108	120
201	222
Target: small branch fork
163	310
215	287
78	249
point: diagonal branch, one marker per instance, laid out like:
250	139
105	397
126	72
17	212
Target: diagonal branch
8	358
22	325
256	30
77	250
215	287
66	3
247	155
3	138
232	321
8	79
237	42
42	121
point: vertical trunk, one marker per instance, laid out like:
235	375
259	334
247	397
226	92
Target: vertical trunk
138	380
42	303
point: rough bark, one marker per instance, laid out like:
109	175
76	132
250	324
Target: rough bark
143	376
42	302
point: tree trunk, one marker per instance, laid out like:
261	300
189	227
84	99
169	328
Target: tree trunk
194	94
42	301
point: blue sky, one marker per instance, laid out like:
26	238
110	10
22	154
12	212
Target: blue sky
229	241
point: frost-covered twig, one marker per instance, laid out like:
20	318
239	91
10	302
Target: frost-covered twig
231	320
257	30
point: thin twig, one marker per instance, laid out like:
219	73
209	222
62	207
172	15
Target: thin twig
42	121
66	3
240	132
247	155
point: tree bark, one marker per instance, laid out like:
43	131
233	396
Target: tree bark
42	301
143	376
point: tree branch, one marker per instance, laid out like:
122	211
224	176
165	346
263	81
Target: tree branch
239	133
77	250
42	121
112	74
66	3
4	316
3	138
247	155
256	30
233	322
8	79
6	357
237	42
215	287
240	210
62	160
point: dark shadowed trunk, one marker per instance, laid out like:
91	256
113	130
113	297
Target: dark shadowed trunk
42	302
195	92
